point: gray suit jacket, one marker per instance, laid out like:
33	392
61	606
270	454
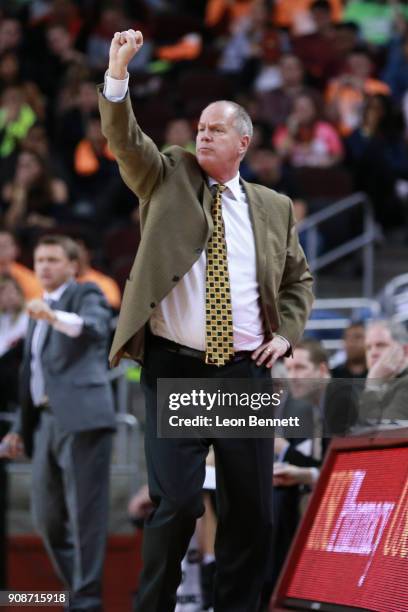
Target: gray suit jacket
176	223
75	369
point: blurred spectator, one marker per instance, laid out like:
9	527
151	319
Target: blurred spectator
346	38
306	140
375	19
71	124
241	55
295	13
25	277
301	210
61	57
179	132
112	19
13	317
355	365
65	12
385	399
272	44
16	118
11	75
117	207
316	49
86	273
274	106
187	48
345	95
268	169
395	72
309	374
378	156
94	166
219	10
13	326
36	141
11	36
34	198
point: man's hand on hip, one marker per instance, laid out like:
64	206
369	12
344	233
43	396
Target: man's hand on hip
270	351
124	47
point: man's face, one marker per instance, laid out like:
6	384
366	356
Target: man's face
302	372
291	71
10	299
219	145
378	340
52	266
8	252
354	343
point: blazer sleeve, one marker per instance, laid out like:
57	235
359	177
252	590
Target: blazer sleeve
295	296
94	310
141	164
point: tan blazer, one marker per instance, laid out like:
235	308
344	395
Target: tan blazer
176	223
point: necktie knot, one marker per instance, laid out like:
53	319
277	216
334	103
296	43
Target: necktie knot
219	188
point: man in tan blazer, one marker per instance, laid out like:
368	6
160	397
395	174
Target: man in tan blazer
242	239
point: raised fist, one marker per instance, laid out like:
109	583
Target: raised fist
124	47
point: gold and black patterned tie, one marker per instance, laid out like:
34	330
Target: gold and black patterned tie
218	309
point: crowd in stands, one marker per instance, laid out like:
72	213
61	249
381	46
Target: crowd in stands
324	81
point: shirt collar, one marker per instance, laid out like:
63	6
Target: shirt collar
57	293
233	185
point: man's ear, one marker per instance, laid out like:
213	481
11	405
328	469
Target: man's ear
324	370
245	140
74	267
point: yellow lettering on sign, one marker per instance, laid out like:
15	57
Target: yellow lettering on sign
396	542
319	535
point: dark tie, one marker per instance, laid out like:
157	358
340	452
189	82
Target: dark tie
37	386
218	309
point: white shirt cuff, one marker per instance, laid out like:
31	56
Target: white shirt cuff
115	90
315	473
284	339
68	323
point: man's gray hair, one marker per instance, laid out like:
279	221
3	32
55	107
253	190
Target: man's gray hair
398	331
242	121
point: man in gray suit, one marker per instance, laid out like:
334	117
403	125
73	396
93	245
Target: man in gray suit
67	419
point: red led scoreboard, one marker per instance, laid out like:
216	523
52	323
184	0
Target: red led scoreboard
351	550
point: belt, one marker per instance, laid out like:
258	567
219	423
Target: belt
44	407
186	351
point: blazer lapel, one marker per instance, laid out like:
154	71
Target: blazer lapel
259	212
207	203
29	338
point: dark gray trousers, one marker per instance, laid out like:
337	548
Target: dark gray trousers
70	501
176	471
